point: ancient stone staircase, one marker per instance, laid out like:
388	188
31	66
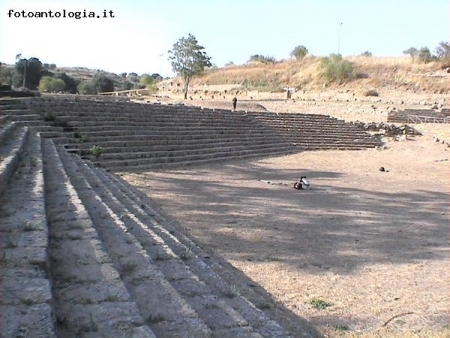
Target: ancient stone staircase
141	137
84	255
419	116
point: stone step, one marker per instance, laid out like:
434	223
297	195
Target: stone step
11	148
153	153
161	145
210	270
6	130
159	303
213	299
15	111
145	166
26	118
25	305
174	139
90	298
211	156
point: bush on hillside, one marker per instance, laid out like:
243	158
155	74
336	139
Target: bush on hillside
86	88
424	55
299	52
370	92
335	68
51	85
262	58
366	54
149	82
70	82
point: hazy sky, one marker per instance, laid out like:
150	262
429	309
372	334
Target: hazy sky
138	37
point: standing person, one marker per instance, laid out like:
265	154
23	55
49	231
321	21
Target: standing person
234	103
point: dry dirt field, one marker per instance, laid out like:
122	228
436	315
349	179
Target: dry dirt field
370	247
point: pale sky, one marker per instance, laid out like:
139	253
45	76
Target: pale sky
138	38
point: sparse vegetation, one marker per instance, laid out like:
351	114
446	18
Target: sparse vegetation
96	151
299	52
150	83
186	254
93	323
424	55
370	92
319	304
51	85
339	327
11	242
262	58
112	298
366	54
335	68
30	226
155	318
129	267
49	117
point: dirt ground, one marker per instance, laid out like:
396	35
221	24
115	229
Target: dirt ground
371	246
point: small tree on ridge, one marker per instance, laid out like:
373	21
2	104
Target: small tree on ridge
188	59
299	52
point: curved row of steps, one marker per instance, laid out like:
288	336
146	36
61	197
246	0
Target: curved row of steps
210	306
90	297
25	292
136	137
83	255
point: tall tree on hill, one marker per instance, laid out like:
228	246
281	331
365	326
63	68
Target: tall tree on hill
30	72
188	59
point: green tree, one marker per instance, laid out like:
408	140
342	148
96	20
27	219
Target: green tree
51	85
335	68
299	52
188	59
7	75
70	82
102	83
29	71
86	88
126	85
411	51
424	55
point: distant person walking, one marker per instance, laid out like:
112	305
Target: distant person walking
234	103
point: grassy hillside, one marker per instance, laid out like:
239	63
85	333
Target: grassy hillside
368	72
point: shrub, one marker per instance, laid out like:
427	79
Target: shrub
366	54
319	304
51	85
86	88
425	55
335	68
299	52
262	58
96	151
370	92
150	83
